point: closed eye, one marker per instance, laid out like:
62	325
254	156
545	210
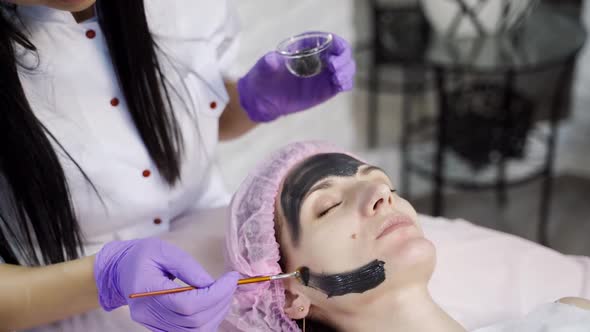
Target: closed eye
323	213
326	211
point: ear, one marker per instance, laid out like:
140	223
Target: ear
296	303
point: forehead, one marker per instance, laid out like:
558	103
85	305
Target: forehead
303	177
319	167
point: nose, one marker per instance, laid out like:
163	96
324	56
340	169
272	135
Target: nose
378	199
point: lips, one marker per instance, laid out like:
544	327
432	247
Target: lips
392	224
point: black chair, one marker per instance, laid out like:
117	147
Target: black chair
400	38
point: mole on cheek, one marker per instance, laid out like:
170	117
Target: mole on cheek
353	236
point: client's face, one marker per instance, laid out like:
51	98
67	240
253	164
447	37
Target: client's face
336	214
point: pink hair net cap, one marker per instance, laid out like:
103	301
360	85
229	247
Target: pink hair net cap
251	246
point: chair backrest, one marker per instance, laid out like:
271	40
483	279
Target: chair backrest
401	33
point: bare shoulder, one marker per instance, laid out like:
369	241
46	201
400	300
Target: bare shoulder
576	301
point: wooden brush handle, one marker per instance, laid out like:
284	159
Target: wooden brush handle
187	288
253	280
162	292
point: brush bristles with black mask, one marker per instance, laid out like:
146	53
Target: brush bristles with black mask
357	281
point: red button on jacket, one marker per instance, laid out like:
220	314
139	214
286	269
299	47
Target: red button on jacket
90	33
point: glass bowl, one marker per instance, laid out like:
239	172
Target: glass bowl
305	54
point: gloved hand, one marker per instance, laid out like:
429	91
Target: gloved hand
125	267
269	90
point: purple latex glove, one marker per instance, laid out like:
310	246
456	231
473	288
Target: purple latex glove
269	90
125	267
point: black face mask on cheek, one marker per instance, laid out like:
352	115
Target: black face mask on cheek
359	280
305	176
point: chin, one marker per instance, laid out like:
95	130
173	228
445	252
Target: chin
415	251
411	261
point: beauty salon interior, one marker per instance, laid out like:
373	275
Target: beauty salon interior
334	165
479	116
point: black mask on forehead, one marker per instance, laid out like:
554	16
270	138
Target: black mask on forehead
305	176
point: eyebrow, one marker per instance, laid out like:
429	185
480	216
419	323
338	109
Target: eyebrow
320	186
326	184
370	168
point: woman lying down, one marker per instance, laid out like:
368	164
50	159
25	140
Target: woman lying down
369	264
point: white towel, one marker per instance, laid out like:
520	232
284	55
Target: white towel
553	317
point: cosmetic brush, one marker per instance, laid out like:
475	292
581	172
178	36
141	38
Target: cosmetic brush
302	274
359	280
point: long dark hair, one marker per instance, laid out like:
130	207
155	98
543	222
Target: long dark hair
40	227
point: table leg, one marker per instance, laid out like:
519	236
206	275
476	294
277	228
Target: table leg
437	203
506	102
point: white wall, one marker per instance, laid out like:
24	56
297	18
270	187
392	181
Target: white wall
264	24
